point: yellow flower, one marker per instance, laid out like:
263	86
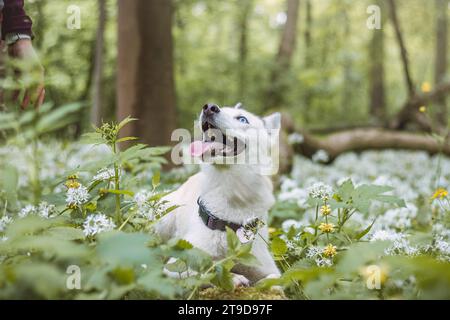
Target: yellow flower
326	227
423	109
325	210
426	87
72	206
272	230
440	193
72	177
72	184
329	250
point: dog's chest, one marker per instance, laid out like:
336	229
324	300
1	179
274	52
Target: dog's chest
213	242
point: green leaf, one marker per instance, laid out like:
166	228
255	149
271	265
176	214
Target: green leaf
195	258
361	197
248	259
125	121
155	282
43	280
126	139
345	191
9	182
65	233
123	192
365	231
123	276
30	225
178	266
184	244
233	242
158	196
57	118
223	277
278	246
126	249
62	249
156	179
92	138
91	206
360	254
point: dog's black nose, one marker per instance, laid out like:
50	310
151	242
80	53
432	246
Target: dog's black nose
210	109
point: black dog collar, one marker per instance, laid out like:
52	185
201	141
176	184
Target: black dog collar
211	221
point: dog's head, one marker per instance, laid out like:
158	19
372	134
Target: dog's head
233	135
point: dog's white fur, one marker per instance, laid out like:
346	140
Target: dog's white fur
233	193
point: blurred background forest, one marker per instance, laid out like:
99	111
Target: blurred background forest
343	86
317	60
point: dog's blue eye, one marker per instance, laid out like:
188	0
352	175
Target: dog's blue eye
242	119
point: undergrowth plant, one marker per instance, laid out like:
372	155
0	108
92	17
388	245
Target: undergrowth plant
98	222
76	222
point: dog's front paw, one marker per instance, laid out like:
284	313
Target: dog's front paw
240	281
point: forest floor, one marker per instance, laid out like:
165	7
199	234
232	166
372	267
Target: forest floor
331	224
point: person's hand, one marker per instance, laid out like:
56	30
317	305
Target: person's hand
34	94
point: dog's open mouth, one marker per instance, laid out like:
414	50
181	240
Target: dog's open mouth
216	143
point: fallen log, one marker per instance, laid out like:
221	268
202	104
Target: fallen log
357	140
369	139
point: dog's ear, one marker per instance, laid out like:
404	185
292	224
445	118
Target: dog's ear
238	105
273	121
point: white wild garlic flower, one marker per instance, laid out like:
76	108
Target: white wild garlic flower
26	211
77	196
104	174
97	223
4	222
320	191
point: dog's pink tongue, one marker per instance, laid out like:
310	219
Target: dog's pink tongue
198	148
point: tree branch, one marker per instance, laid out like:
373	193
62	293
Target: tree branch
401	43
410	110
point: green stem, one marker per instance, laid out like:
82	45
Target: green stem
126	220
36	182
315	221
117	187
63	211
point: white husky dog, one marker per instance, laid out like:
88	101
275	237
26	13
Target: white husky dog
226	194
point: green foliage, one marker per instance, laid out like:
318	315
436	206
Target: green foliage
102	228
327	82
359	198
121	258
338	262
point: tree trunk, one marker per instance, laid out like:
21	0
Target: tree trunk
245	7
308	56
377	106
40	26
308	34
2	74
145	81
441	58
97	92
284	56
347	65
401	44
